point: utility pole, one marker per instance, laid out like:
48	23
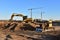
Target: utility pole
30	12
41	15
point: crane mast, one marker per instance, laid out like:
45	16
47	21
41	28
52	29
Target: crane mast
31	9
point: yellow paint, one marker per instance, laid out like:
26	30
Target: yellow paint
50	23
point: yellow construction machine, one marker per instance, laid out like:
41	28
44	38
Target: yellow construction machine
25	19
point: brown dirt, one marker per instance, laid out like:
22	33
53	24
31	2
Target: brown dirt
26	35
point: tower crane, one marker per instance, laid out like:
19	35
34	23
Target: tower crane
31	9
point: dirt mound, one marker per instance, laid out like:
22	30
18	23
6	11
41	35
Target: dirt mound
24	31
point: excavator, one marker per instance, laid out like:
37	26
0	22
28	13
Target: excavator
25	19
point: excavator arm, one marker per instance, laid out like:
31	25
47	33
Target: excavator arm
24	17
16	15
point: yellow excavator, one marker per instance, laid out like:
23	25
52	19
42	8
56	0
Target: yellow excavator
25	19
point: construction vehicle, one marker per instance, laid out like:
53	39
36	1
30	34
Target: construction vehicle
25	19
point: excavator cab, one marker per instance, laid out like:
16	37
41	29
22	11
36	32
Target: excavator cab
24	17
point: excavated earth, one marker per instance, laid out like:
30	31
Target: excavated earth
17	34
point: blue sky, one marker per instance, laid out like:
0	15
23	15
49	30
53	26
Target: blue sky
50	8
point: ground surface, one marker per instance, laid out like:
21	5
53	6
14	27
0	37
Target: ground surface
6	34
28	35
